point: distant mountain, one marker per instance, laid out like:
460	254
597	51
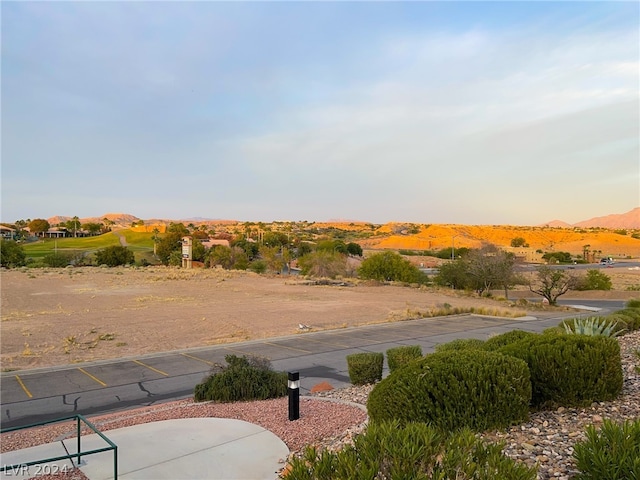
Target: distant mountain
630	220
558	224
123	219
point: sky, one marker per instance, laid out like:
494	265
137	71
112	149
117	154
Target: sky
429	112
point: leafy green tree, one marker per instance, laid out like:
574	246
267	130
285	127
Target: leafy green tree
323	264
303	249
552	283
228	257
114	255
92	227
332	246
519	242
558	257
275	239
250	248
38	225
11	254
171	242
20	232
272	258
454	274
594	280
390	266
198	252
73	225
354	249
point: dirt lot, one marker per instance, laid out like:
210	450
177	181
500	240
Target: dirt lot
61	316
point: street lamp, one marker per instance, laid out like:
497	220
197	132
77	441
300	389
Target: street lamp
453	247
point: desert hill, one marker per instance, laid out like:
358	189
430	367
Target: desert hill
600	242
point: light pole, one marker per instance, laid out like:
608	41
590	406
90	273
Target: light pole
453	247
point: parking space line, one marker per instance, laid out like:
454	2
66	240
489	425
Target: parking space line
151	368
289	348
26	390
92	377
324	343
198	359
238	351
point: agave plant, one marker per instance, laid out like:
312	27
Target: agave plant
593	326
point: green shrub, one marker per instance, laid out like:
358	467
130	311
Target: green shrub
594	280
570	370
400	356
12	254
554	331
464	388
244	378
631	317
415	451
114	256
507	338
633	303
461	344
604	326
56	260
613	452
365	368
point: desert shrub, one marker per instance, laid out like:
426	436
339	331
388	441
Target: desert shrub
594	280
450	390
365	368
604	326
460	344
114	255
12	254
399	356
389	266
244	378
415	451
631	317
558	330
258	266
507	338
570	370
633	303
613	452
56	260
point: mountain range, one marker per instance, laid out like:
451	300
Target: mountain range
628	220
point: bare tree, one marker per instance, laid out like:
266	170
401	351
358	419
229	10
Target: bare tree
491	267
552	283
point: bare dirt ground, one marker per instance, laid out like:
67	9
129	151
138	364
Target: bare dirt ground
63	316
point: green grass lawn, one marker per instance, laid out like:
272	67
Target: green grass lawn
139	243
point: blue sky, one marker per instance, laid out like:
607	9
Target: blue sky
426	112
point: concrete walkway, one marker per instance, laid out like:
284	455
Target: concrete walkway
193	448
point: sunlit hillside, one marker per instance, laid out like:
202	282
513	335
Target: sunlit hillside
573	240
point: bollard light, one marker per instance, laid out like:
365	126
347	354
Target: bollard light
294	395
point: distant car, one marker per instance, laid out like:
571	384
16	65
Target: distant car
606	262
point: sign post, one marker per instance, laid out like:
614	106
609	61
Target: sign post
187	252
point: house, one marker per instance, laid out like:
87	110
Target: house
7	233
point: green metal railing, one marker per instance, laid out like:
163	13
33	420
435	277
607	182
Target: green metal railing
70	456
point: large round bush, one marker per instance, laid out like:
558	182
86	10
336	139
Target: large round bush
570	370
453	389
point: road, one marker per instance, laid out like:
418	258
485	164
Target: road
36	395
